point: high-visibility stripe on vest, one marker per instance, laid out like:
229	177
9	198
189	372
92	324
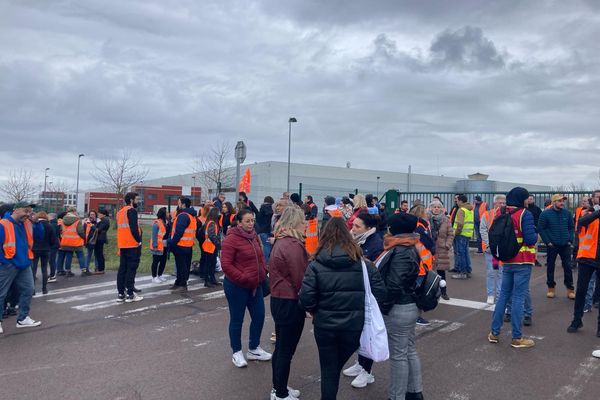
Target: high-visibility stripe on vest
578	212
207	245
468	223
69	236
160	236
312	236
426	262
588	241
9	247
526	254
125	239
187	239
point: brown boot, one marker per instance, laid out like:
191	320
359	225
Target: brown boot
571	294
550	294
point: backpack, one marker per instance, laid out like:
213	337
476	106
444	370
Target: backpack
429	292
502	237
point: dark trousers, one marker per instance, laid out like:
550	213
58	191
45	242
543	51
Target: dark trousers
477	224
158	263
335	348
565	258
128	265
183	261
239	299
289	323
41	257
52	260
99	252
584	274
208	267
365	362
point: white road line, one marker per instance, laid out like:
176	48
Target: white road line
468	304
87	287
151	307
579	380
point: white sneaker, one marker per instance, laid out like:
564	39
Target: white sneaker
293	392
596	354
363	380
156	280
1	330
290	395
490	300
354	370
133	297
239	360
28	323
258	354
162	278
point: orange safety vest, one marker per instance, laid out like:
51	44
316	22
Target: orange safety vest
69	236
312	236
10	239
161	234
482	209
578	212
335	213
488	217
526	254
187	240
125	239
207	245
588	241
426	262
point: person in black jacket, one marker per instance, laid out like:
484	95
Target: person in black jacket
333	292
263	225
249	204
399	268
91	236
41	250
536	211
102	226
52	254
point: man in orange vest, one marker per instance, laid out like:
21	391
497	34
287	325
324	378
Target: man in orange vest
72	240
480	208
584	203
331	210
588	258
129	243
493	272
18	229
314	210
181	243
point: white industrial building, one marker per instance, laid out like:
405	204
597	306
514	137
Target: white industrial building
270	179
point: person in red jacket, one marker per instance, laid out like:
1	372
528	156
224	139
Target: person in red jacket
287	264
243	263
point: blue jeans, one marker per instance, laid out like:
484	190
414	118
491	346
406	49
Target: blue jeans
23	281
492	275
463	260
238	299
528	308
90	255
515	284
589	295
66	257
264	238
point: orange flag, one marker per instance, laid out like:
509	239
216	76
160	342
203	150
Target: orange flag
244	185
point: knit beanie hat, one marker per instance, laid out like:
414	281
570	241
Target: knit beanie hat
517	196
329	200
402	223
295	198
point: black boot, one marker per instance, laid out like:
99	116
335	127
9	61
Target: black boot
445	293
414	396
576	324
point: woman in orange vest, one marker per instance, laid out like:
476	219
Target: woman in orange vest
425	246
211	245
157	245
72	239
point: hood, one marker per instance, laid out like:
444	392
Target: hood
337	259
190	211
404	239
331	207
468	206
70	219
516	197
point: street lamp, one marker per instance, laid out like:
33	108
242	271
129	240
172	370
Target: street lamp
378	187
45	184
77	187
292	119
240	157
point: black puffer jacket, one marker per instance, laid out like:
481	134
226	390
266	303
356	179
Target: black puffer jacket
48	241
399	269
263	219
334	292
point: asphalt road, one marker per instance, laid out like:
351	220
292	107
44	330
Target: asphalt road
177	347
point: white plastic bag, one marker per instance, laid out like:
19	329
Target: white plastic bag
374	339
218	267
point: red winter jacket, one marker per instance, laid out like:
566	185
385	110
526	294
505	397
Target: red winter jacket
242	258
287	265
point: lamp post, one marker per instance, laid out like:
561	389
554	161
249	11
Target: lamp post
378	187
292	119
240	157
45	184
77	186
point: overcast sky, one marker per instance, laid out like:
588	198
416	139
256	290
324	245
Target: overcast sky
509	88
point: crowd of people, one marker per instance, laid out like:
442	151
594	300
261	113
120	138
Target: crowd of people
314	264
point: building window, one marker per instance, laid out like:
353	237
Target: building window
151	196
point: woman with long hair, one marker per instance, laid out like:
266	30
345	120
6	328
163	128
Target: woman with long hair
228	216
287	265
333	291
360	205
158	247
211	247
244	266
426	240
443	235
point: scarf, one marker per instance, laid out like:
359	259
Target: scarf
362	238
281	233
436	222
404	239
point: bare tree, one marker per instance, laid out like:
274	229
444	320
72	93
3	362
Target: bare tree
214	167
119	174
19	186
